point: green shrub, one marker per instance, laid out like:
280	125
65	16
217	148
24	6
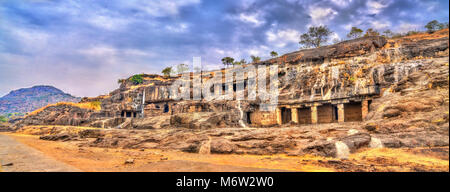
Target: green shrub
167	71
3	118
137	79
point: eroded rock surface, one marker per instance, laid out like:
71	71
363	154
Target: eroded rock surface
393	92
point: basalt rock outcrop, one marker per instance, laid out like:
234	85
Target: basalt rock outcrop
333	100
60	115
346	49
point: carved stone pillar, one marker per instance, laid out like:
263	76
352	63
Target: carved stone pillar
364	109
294	115
314	116
279	120
341	113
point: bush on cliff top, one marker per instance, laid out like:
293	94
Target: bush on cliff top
137	79
3	118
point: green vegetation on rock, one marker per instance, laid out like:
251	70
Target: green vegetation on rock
273	54
255	59
137	79
354	33
435	25
167	71
227	61
315	37
3	119
371	32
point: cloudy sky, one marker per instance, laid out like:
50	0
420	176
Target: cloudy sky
84	46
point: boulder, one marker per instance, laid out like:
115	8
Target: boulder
321	148
356	141
222	146
391	112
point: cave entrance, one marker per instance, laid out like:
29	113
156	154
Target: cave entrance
166	108
353	111
304	115
285	115
249	120
335	113
325	113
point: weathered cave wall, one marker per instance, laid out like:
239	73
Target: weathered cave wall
399	90
352	71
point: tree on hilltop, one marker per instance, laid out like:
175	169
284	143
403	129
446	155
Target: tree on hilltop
371	32
227	61
255	59
273	54
434	25
315	37
354	33
167	71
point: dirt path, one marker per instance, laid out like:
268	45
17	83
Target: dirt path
93	159
17	157
29	153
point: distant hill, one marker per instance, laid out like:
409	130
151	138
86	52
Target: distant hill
29	99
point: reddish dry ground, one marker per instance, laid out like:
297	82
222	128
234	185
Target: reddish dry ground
102	159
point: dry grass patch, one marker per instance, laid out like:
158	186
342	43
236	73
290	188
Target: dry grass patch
94	105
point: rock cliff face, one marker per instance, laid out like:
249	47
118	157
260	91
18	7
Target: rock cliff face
60	115
346	49
333	100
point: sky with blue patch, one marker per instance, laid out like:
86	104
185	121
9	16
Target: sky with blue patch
83	47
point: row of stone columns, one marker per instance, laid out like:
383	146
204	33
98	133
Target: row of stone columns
314	114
